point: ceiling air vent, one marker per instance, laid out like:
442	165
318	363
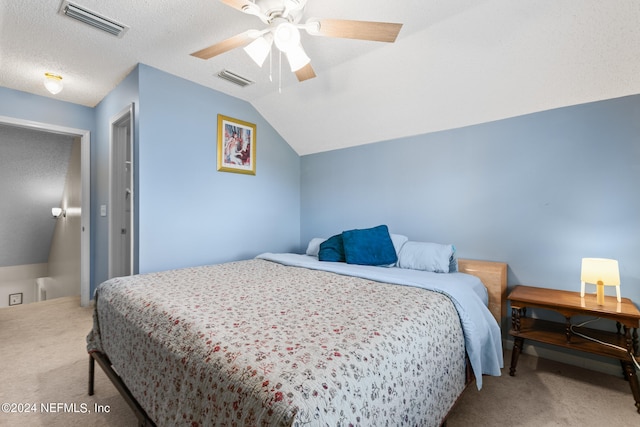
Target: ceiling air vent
89	17
235	78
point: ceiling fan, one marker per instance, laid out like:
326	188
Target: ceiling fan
283	28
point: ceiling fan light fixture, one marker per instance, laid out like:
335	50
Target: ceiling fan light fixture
53	83
297	58
286	37
259	49
283	19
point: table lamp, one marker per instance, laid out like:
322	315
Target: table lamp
601	272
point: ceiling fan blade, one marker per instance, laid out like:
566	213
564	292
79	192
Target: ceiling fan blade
239	40
305	73
348	29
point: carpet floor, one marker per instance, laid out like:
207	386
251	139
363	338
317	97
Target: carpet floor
44	365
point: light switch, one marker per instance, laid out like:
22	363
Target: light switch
103	210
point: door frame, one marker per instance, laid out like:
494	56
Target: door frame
85	173
122	120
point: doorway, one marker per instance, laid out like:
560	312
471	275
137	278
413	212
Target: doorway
85	214
121	195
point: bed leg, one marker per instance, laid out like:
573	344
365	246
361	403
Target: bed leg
92	370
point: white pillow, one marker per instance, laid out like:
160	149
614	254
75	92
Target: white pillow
425	256
314	246
398	240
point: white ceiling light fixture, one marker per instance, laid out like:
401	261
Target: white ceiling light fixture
297	58
53	83
287	39
84	15
259	49
287	36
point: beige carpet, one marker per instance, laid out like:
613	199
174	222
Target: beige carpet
43	362
547	393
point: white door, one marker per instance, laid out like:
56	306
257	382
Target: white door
121	205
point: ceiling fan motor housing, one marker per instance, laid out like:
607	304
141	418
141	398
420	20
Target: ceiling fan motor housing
291	10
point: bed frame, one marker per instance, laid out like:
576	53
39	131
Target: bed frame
492	274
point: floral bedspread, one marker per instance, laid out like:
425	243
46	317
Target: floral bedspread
257	343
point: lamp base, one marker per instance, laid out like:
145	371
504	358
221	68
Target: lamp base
600	293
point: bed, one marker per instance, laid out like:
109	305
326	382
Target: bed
288	340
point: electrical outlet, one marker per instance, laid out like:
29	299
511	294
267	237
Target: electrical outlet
15	299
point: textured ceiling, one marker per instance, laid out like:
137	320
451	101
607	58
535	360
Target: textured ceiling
33	169
455	62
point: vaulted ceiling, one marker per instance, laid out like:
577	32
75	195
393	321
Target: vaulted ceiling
455	62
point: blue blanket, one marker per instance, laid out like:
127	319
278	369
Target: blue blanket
482	334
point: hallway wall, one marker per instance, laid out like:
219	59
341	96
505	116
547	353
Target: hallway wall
64	255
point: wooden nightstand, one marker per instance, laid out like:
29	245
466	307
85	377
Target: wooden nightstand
569	304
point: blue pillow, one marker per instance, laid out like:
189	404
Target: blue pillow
371	246
332	249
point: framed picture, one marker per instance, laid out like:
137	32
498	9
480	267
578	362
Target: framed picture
236	146
15	299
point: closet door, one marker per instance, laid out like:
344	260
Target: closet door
121	195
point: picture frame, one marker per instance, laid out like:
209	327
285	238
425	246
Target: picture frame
236	146
15	299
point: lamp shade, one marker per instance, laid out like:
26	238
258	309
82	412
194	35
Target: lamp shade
600	270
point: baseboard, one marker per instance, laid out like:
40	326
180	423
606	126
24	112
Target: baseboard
574	358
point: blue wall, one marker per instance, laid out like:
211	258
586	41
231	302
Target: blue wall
539	191
25	106
191	214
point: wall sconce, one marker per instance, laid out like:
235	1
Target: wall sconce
57	212
53	83
601	272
